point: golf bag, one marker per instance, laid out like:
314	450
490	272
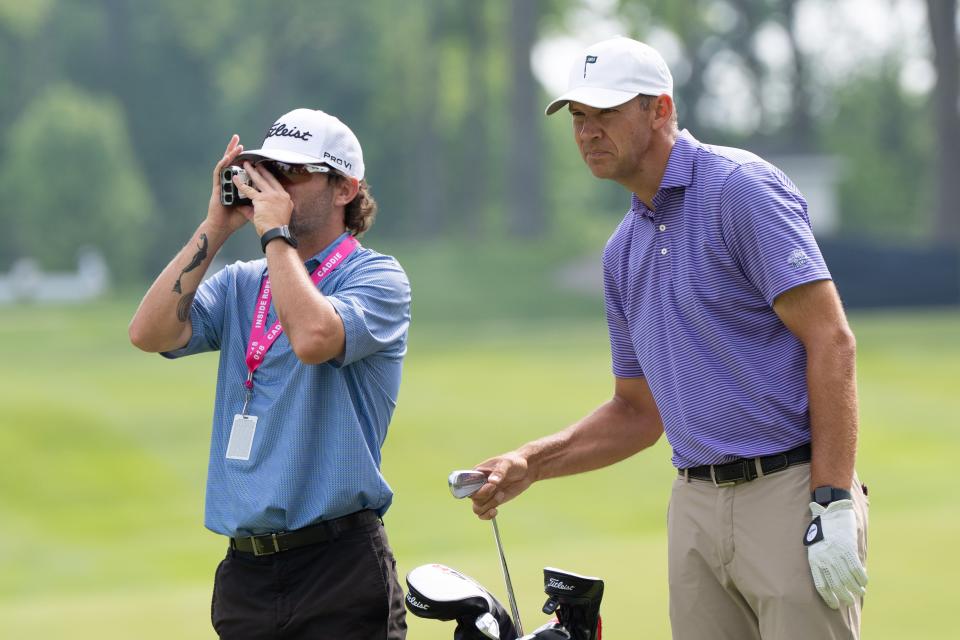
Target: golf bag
438	592
441	593
576	601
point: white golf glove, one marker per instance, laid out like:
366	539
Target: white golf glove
831	542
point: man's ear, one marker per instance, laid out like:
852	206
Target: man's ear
346	191
662	110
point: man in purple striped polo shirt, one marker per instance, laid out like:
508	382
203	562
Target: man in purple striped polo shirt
727	333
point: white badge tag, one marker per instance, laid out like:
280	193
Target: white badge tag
241	437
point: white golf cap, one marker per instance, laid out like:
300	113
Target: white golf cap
614	71
308	136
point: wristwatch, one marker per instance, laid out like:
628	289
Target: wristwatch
826	494
277	232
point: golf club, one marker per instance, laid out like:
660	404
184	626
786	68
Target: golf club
464	484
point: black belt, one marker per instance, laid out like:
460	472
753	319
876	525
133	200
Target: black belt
745	469
325	531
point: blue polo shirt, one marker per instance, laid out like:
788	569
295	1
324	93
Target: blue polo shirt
689	289
316	449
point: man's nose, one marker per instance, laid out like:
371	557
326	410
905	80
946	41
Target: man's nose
588	129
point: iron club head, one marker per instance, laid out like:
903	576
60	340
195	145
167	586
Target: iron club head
464	484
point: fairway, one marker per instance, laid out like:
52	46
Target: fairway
105	459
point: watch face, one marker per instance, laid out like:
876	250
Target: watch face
823	495
826	495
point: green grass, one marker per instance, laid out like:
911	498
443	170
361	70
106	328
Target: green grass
105	449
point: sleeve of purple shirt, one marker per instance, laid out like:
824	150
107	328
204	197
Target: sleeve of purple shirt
767	230
623	354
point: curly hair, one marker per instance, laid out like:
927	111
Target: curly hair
359	213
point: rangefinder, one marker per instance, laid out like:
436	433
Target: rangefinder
229	195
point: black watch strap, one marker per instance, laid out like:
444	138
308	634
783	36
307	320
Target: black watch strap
826	494
277	232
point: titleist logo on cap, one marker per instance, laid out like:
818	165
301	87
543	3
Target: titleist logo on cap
281	130
310	136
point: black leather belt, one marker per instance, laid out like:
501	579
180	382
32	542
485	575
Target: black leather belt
745	469
325	531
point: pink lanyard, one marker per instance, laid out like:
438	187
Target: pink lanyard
261	339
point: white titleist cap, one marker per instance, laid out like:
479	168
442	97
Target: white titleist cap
614	71
308	136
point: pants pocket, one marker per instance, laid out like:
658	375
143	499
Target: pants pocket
393	593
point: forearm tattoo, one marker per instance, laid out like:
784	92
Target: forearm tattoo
183	307
195	262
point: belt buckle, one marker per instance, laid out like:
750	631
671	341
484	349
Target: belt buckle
729	483
258	550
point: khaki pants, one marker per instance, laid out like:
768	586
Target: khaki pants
738	567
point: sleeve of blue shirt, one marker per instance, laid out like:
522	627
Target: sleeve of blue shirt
767	230
206	315
374	304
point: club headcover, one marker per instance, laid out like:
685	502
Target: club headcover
438	592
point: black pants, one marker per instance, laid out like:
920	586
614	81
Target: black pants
338	590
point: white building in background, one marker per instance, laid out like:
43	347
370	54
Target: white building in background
25	282
816	176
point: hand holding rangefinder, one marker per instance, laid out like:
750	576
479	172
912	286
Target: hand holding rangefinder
229	194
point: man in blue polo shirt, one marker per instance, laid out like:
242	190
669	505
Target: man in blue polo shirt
728	335
311	342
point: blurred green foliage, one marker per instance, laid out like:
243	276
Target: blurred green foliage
113	113
90	190
886	186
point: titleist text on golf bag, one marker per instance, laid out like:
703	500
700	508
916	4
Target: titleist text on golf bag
576	601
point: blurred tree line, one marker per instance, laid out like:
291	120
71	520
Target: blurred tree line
113	112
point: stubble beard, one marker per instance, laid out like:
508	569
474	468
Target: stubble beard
312	216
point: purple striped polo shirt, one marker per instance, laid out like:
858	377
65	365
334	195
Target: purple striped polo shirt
689	289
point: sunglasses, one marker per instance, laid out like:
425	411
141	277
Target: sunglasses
293	172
